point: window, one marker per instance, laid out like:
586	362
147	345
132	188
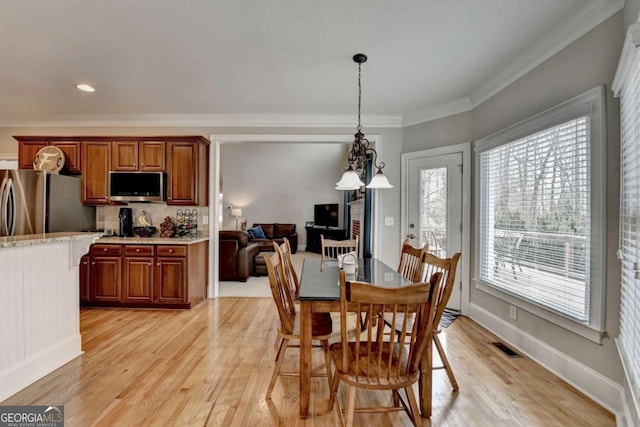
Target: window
627	86
540	228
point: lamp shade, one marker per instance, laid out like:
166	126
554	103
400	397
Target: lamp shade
349	181
236	212
379	180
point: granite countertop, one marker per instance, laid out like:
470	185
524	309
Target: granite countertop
37	239
152	240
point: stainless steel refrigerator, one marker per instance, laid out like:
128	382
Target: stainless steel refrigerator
34	201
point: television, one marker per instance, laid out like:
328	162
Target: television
326	215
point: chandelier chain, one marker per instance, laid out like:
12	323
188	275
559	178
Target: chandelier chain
359	128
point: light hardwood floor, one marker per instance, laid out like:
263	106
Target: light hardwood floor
211	366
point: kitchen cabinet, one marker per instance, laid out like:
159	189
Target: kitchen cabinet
188	172
172	274
138	156
27	153
96	157
84	278
185	159
138	273
28	147
105	274
147	275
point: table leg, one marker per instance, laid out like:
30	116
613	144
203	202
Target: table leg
305	357
426	375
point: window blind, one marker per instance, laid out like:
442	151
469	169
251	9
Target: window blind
535	218
629	338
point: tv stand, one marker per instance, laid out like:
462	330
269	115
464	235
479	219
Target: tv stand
313	236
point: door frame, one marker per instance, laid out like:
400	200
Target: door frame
214	185
465	150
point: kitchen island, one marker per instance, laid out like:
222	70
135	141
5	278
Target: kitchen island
40	327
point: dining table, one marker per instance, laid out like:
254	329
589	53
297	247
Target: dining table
320	292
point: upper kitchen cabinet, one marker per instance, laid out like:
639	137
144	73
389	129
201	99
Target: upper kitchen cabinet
96	156
188	171
27	153
138	156
28	147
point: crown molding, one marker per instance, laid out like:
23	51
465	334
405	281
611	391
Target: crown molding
283	138
198	120
554	42
437	112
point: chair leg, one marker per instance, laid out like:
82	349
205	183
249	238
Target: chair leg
276	343
327	361
445	362
276	369
351	406
413	405
333	391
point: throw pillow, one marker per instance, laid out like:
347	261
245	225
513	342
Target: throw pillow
256	232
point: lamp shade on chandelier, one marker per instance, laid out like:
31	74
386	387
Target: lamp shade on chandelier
361	150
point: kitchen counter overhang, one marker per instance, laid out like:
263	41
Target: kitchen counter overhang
152	240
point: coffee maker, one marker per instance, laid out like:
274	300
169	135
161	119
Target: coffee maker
126	222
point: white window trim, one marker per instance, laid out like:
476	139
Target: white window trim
591	102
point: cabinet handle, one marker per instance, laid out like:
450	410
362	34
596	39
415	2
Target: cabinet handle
150	263
158	264
93	263
142	164
85	263
134	164
137	250
105	249
170	250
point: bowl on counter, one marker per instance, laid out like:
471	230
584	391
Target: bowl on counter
145	231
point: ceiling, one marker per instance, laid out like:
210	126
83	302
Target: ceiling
237	58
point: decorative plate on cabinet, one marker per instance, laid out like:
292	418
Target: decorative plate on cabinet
50	159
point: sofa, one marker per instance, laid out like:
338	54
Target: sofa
236	255
274	232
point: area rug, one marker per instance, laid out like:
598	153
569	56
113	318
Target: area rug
448	316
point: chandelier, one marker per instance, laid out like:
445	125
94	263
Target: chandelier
360	151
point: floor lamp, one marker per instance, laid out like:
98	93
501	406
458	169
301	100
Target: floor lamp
237	212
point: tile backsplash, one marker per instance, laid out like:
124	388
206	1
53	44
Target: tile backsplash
107	216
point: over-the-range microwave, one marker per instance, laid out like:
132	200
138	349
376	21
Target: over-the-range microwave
137	186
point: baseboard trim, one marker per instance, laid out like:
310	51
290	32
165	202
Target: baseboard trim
29	371
596	386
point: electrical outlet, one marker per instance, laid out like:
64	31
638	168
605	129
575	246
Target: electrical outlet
513	312
388	220
205	219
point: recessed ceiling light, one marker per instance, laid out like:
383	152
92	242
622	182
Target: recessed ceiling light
85	88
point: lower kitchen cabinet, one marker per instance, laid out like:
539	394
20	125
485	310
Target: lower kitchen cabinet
105	277
84	278
164	276
138	273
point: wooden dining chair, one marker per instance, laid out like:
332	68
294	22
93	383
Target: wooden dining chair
331	249
446	266
374	360
289	329
411	264
284	253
